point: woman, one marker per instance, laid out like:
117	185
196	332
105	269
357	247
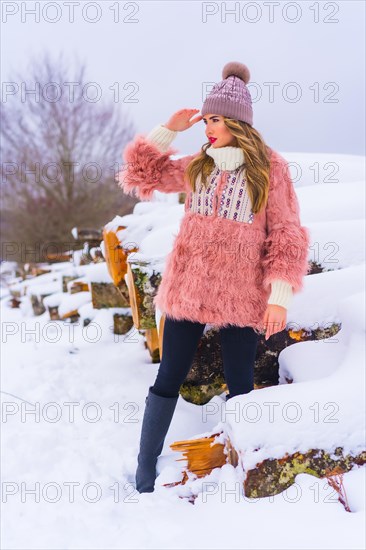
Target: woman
240	254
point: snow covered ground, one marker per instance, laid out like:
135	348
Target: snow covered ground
73	401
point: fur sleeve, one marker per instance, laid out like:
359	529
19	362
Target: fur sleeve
287	242
146	169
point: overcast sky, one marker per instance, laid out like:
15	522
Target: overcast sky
173	51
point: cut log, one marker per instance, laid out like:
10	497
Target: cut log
115	255
152	344
66	279
206	377
202	456
37	303
161	332
86	234
97	254
58	256
122	323
35	270
106	295
143	282
73	315
269	477
266	363
79	286
14	302
16	292
54	314
85	258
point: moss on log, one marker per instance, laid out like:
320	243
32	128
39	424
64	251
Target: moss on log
206	377
202	393
272	476
143	282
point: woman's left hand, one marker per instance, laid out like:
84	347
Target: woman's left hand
274	319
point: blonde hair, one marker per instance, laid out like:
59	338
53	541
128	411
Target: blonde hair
257	162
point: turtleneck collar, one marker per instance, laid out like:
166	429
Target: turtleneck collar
226	158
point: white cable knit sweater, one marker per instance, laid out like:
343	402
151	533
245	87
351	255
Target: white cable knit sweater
231	158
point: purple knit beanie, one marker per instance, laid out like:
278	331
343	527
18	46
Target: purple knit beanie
231	97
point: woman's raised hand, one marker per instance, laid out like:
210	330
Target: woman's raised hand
181	120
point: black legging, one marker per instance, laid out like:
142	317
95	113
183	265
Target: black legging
180	341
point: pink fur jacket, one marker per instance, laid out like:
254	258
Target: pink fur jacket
225	260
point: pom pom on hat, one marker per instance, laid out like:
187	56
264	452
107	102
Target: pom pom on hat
234	68
231	97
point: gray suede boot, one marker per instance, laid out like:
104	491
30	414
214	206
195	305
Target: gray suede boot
157	419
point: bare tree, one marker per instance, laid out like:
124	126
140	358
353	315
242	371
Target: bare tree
60	152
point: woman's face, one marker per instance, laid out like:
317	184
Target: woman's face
216	131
